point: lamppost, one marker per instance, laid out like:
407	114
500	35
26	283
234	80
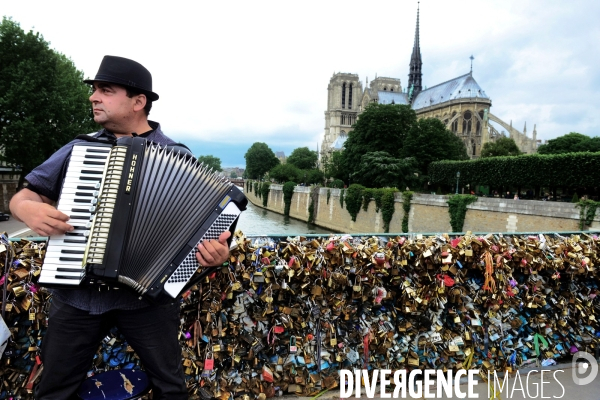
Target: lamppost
457	177
305	179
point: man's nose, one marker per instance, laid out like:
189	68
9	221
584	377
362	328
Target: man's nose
94	97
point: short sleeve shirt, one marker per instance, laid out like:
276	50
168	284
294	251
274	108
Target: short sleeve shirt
47	180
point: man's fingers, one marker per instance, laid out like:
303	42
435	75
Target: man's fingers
214	252
41	232
56	214
57	226
224	236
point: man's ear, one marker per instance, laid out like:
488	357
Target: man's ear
140	102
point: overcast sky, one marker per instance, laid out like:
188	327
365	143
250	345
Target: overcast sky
231	73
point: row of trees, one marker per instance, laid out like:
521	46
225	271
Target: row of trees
570	143
300	166
569	170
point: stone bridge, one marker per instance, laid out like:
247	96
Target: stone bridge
237	182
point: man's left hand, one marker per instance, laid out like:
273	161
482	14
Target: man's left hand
213	253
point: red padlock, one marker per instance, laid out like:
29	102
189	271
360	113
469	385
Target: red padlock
278	329
379	258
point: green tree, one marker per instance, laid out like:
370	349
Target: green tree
314	175
380	127
430	141
332	166
285	172
212	162
44	103
502	147
303	158
259	160
592	145
233	175
569	143
379	169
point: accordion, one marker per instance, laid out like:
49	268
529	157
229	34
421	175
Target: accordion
139	210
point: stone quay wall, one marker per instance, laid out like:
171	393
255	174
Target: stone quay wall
429	213
8	188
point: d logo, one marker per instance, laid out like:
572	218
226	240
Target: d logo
581	369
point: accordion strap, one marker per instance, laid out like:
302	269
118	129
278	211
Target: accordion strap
89	138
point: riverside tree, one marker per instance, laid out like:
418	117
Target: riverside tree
285	172
381	127
259	160
43	100
303	158
212	162
378	169
332	166
430	141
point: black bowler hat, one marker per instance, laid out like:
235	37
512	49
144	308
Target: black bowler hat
126	72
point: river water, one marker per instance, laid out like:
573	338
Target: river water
256	221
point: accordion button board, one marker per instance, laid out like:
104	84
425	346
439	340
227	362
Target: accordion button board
188	267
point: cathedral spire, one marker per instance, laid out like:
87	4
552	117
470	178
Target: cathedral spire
415	75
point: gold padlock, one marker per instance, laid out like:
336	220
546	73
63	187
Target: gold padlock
316	290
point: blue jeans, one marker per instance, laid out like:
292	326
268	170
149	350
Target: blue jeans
73	337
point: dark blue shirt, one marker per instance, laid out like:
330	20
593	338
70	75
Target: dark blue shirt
47	180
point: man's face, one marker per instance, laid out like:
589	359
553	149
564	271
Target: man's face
111	107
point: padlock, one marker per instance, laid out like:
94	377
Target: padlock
209	362
293	347
316	290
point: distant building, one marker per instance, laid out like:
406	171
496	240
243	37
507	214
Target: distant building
460	103
238	171
281	156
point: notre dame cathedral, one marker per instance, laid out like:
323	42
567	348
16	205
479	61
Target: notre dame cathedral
460	103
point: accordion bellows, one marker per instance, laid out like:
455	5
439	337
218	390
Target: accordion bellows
154	205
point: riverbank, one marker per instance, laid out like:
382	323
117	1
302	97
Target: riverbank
428	213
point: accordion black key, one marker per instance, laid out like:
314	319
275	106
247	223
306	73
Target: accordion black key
139	210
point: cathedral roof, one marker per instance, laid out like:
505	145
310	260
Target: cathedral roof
339	142
386	97
462	87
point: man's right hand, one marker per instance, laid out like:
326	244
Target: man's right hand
38	213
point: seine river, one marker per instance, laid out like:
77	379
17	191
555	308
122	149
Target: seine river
256	221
